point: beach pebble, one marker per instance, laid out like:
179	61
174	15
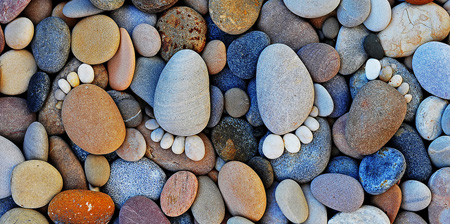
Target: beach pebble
100	76
403	88
395	81
215	56
263	168
107	4
153	6
234	17
379	16
11	9
146	40
440	196
273	146
23	215
365	214
179	193
58	12
304	134
292	201
80	9
406	217
340	140
146	76
157	134
151	124
311	8
14	118
416	196
226	80
321	60
439	151
86	73
121	66
291	143
273	213
167	141
194	148
73	80
208	199
386	73
323	100
344	165
17	68
428	117
351	13
64	86
97	170
350	46
141	209
423	2
128	17
339	91
11	157
373	68
35	143
38	90
19	33
373	46
330	28
59	95
178	145
389	201
134	146
217	106
445	121
2	41
236	102
253	116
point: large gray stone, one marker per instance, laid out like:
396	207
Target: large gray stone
35	144
349	45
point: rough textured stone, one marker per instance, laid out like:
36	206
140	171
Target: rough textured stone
389	201
10	9
179	193
141	209
153	6
208	206
15	117
350	46
38	90
321	60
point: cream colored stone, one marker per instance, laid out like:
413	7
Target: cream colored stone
19	33
395	81
16	69
64	86
403	88
86	73
386	74
312	124
194	148
291	143
178	145
273	146
167	141
151	124
73	79
304	134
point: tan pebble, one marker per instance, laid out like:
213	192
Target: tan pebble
59	105
157	134
86	73
97	170
167	141
395	81
215	56
60	95
73	79
17	67
134	146
403	88
408	98
64	86
146	40
194	148
314	112
178	145
19	33
386	74
58	12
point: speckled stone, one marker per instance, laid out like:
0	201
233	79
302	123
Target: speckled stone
129	108
226	80
51	44
6	204
440	196
321	60
146	40
179	193
11	157
330	27
372	46
121	66
349	45
406	217
253	116
236	102
17	68
80	9
10	9
38	90
366	214
107	4
338	89
389	201
129	17
273	213
22	215
153	6
15	117
428	117
141	209
146	76
344	165
217	106
264	170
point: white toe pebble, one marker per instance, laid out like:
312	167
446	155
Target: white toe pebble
312	124
64	86
59	94
395	81
167	141
273	146
373	68
151	124
403	88
291	143
408	98
314	112
157	134
386	73
194	148
178	145
73	79
304	134
86	73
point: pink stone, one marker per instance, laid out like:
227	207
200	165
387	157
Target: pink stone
10	9
121	66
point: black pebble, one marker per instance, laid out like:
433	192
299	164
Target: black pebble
38	89
373	47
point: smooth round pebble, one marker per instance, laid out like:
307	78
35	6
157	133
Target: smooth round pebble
428	117
146	40
323	100
291	143
312	124
107	4
157	134
373	68
19	33
395	81
58	12
314	112
416	196
97	170
304	134
86	73
151	124
330	28
215	56
386	73
273	146
18	66
153	6
80	9
237	102
167	140
217	105
372	46
351	13
23	216
239	220
178	145
59	95
194	148
365	214
122	65
439	151
179	193
64	86
73	80
134	146
292	201
208	206
403	88
344	165
38	90
311	8
408	98
35	143
389	201
128	17
321	60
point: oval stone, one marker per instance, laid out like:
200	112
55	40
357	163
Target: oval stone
141	209
321	60
350	46
129	17
311	8
182	101
35	143
97	170
389	201
121	66
376	114
366	214
415	195
23	216
134	146
351	13
146	76
38	90
10	9
208	206
379	16
284	88
14	118
242	190
338	89
17	68
438	211
292	201
92	120
80	9
428	117
153	6
179	193
11	157
339	139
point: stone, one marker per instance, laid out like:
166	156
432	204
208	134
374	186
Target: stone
153	6
337	191
86	73
233	139
6	204
146	76
295	31
17	68
178	144
64	86
304	134
344	165
80	9
395	81
350	46
310	161
372	69
420	2
38	10
35	144
146	40
214	33
294	89
215	56
404	44
10	9
121	66
372	46
11	157
128	17
439	151
81	206
323	100
317	211
389	201
366	214
95	39
445	121
134	146
234	17
157	134
243	53
185	218
2	41
38	90
15	117
292	143
217	106
339	139
97	170
273	214
428	117
108	4
379	16
201	6
292	201
151	124
253	116
406	217
263	168
19	33
330	28
129	179
238	220
310	8
58	12
141	209
375	115
194	148
28	180
236	102
73	79
389	163
416	196
440	197
352	13
128	106
242	191
226	80
321	60
23	215
179	193
208	206
338	89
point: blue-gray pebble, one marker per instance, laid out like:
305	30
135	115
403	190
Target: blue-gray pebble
129	17
344	165
273	213
253	116
6	204
185	218
51	44
445	120
217	104
263	168
38	90
340	93
226	80
380	171
81	154
146	76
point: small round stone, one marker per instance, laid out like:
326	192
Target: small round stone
73	80
64	86
314	112
416	196
395	81
373	68
291	143
23	216
179	193
312	124
157	134
408	98
386	73
167	141
178	145
237	102
273	146
146	40
97	170
19	33
86	73
134	146
194	148
59	95
330	28
215	56
304	134
151	124
403	88
58	105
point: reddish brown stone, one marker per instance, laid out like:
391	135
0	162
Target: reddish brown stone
121	66
389	201
438	210
179	193
15	117
419	2
38	10
321	60
10	9
318	22
100	76
141	210
214	175
81	206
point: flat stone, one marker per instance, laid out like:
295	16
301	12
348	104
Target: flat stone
440	197
38	90
19	33
217	106
129	108
10	9
264	170
409	19
208	206
344	165
351	13
11	157
128	17
17	68
146	76
406	217
273	213
153	6
146	40
234	17
97	170
330	27
141	209
108	4
379	16
311	8
134	146
179	193
350	46
389	201
35	143
15	118
23	215
416	196
366	214
338	89
321	60
121	66
292	201
428	117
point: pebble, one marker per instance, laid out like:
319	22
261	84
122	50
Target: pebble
38	90
129	108
389	163
389	201
291	143
28	180
439	151
323	100
352	13
183	87
128	17
273	213
365	214
157	134
321	60
194	148
406	217
340	140
59	95
146	40
379	16
421	2
330	28
338	89
237	102
10	9
238	220
95	39
78	206
97	170
18	66
234	17
292	201
64	86
153	6
134	146
445	121
344	165
121	66
311	8
440	197
395	81
273	146
373	48
146	76
403	88
215	56
86	73
296	31
178	145
337	191
253	116
73	80
80	9
14	118
226	80
220	162
217	106
35	144
242	191
304	134
181	28
167	141
350	46
263	168
58	12
373	68
179	193
151	124
19	33
397	44
2	41
428	117
11	157
22	215
6	204
415	195
107	4
208	199
140	209
386	73
129	179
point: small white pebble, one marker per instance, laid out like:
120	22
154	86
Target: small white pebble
403	88
314	112
86	73
386	74
408	98
64	86
291	143
92	188
151	124
166	141
157	134
395	81
273	146
59	105
219	163
304	134
59	95
178	145
194	148
73	79
312	124
373	68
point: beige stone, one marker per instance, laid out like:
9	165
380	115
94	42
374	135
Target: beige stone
16	69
